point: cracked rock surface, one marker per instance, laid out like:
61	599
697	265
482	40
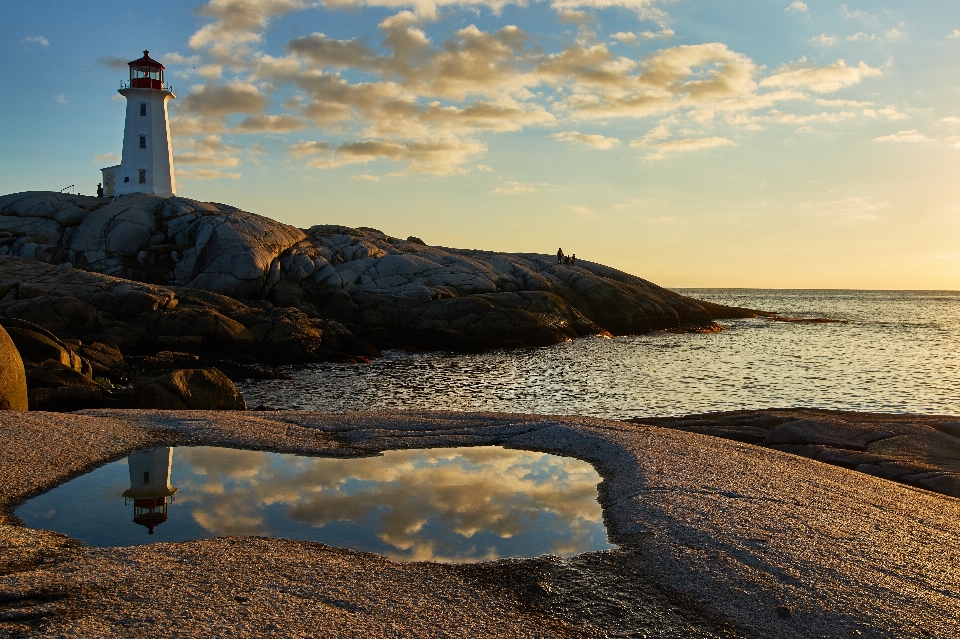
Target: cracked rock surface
397	293
142	319
716	538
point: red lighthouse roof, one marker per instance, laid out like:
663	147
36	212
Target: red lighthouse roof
146	73
146	61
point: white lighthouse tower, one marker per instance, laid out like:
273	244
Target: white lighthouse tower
146	165
150	485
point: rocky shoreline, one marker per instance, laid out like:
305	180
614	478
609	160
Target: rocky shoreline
716	539
119	289
357	283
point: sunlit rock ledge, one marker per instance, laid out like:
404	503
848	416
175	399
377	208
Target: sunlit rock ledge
716	539
390	291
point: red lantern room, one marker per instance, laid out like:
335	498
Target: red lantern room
146	73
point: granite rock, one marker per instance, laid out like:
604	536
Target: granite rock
140	319
920	451
13	379
395	292
716	539
187	389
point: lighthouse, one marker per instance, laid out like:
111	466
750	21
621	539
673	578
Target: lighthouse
150	485
146	164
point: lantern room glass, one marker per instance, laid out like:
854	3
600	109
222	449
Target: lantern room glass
146	77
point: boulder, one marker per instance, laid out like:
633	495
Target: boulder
53	374
103	357
13	379
37	345
183	389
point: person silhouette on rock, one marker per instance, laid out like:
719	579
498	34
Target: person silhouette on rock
559	256
99	190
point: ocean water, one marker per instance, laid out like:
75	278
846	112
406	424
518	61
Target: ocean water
891	351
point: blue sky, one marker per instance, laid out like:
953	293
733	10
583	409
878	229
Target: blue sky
694	143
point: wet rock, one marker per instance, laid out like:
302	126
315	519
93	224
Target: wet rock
194	389
13	379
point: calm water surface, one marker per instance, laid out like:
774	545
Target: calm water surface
445	504
897	352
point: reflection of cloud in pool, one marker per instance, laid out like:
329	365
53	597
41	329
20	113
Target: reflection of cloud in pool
399	494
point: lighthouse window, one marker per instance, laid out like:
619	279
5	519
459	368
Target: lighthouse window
126	178
146	476
143	109
143	141
143	176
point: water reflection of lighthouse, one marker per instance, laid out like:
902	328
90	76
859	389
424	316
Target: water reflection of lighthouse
150	486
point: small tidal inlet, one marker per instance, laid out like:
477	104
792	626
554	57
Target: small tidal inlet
444	504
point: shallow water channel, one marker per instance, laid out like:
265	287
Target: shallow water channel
442	504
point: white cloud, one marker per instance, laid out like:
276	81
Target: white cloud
826	79
484	168
114	62
892	113
686	146
174	58
366	177
950	120
798	6
440	157
209	150
644	8
905	136
855	13
855	208
61	100
657	133
424	103
823	116
304	148
824	40
596	141
806	129
581	210
954	34
223	99
840	102
207	174
893	34
512	188
37	39
282	123
888	35
107	158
